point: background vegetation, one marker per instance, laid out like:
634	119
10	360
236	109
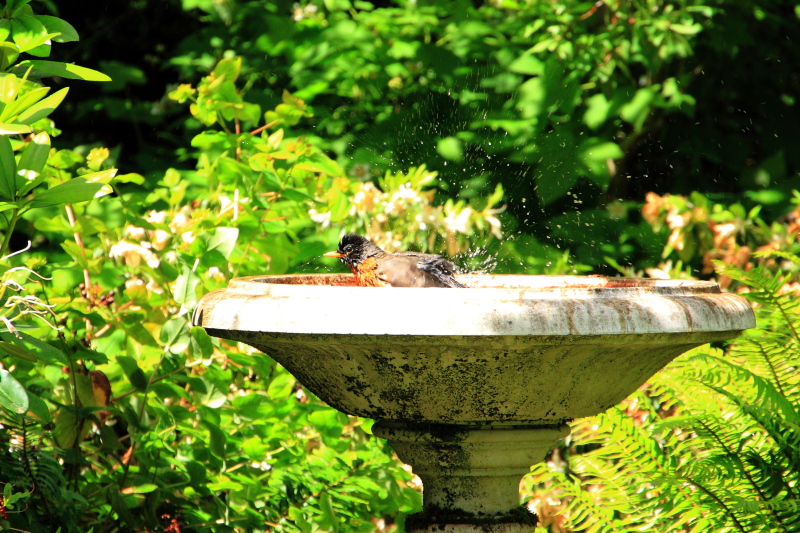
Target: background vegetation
542	137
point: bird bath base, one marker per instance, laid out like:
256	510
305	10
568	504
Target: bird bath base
472	386
471	475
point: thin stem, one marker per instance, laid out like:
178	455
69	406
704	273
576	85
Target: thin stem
79	241
10	229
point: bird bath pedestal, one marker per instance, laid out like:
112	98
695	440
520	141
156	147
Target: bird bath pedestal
473	386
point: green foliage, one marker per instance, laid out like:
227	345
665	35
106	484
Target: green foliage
416	123
710	444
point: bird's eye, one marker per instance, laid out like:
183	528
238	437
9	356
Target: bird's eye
348	248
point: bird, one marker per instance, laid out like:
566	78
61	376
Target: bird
374	267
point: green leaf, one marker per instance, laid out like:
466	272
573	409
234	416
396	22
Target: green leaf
135	375
185	290
200	346
74	191
229	68
281	386
39	348
527	64
603	151
39	408
9	52
31	36
14	129
175	335
12	394
43	69
33	159
8	170
43	108
56	25
223	240
450	148
686	29
22	103
17	351
638	109
144	488
216	441
597	111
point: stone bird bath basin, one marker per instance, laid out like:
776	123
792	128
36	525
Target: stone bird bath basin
473	386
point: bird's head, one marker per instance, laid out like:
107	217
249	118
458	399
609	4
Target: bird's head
353	249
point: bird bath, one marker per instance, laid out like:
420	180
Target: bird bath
473	386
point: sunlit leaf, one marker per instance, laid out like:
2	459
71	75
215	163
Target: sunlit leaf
14	129
12	394
65	30
17	351
8	170
43	108
65	70
73	191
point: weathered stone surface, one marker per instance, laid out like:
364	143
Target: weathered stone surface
511	349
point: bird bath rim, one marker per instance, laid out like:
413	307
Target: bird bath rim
492	305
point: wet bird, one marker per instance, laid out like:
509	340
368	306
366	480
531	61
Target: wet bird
374	267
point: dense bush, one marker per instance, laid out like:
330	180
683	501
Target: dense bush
515	133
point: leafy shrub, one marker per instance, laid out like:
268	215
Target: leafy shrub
710	443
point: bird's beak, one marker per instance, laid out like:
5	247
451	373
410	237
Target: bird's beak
333	254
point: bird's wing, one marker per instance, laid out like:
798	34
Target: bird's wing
431	270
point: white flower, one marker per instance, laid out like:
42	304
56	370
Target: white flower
160	238
458	223
135	232
320	218
494	223
156	217
132	254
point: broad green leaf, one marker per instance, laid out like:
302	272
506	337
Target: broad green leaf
43	108
74	191
229	68
14	129
22	103
527	64
9	52
9	85
603	151
12	394
17	351
39	408
223	240
281	386
216	441
42	350
33	159
175	335
8	170
185	291
450	148
200	345
132	177
56	25
31	36
597	110
43	69
135	375
637	110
